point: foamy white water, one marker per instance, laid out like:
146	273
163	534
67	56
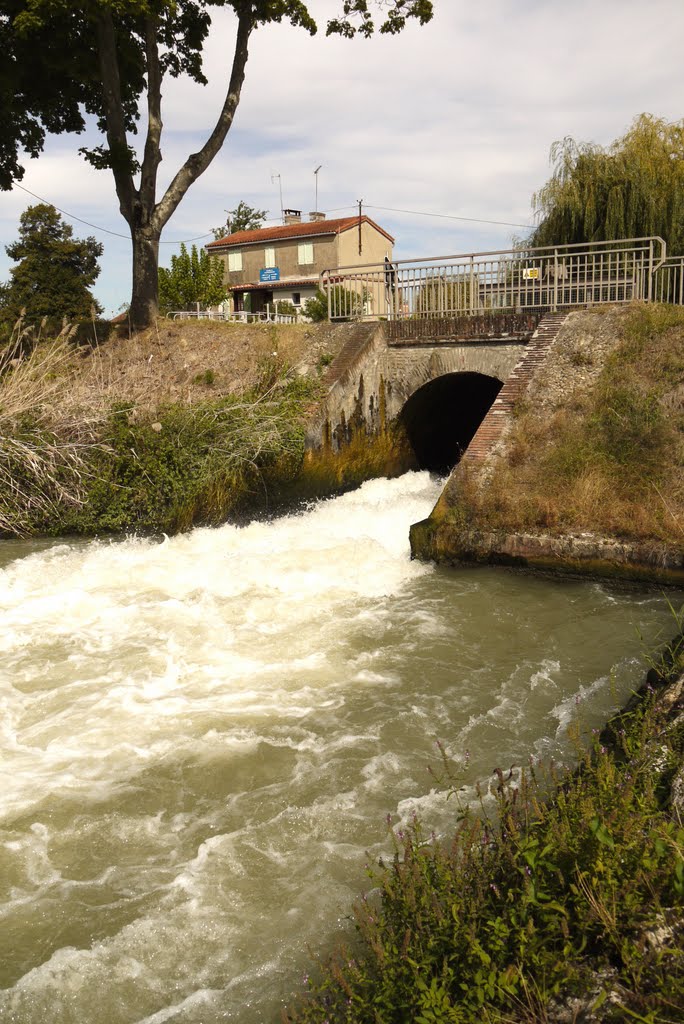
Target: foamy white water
201	737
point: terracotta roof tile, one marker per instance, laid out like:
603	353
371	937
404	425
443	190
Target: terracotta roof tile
302	229
269	286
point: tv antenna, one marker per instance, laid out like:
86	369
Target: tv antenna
280	184
316	178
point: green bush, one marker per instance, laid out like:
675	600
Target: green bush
285	308
346	305
192	464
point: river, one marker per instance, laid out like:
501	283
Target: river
201	738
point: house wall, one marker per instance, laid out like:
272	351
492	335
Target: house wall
329	251
305	293
286	253
374	246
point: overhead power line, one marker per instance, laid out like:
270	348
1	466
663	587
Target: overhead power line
338	209
98	227
449	216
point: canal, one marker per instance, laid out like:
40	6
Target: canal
201	738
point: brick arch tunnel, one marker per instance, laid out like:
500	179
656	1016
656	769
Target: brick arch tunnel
442	416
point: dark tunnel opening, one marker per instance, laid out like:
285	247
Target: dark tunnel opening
441	418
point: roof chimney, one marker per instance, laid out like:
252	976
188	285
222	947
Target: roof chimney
292	216
316	215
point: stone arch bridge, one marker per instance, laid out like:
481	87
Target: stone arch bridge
450	343
451	383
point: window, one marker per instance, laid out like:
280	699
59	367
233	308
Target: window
269	258
296	298
305	253
234	261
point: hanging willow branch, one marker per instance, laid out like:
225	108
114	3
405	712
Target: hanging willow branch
631	189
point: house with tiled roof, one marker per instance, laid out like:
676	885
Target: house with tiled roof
283	263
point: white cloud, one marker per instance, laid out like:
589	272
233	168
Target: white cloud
456	117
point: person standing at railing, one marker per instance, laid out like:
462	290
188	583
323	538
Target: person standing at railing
390	283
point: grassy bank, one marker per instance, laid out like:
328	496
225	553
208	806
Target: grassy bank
534	910
78	456
608	458
187	425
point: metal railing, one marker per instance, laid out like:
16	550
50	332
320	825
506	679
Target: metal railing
241	317
668	281
519	280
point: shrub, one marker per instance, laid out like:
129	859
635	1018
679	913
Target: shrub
346	305
192	464
285	308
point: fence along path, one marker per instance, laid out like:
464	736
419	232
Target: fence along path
518	280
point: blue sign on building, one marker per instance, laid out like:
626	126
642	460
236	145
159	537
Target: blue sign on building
270	274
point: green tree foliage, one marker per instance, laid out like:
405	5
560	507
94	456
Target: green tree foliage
109	58
632	188
192	277
444	295
54	271
243	218
346	303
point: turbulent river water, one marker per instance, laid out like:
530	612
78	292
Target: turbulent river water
200	739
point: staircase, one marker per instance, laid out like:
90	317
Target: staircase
500	415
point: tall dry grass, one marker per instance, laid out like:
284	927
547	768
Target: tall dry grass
45	441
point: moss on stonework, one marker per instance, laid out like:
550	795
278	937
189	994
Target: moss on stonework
364	457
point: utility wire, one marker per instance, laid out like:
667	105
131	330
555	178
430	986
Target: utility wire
442	216
117	234
448	216
338	209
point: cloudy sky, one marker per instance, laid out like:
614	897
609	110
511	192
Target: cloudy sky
453	120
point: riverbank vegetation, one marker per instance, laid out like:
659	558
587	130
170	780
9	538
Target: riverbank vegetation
82	452
534	910
607	457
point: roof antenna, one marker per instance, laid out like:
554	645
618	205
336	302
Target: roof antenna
280	183
316	177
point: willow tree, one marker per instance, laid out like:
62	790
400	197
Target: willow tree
630	189
64	60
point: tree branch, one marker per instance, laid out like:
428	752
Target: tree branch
152	157
197	163
116	127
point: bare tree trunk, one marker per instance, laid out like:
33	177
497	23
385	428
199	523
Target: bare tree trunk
145	216
145	293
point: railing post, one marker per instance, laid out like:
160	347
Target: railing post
598	272
555	281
